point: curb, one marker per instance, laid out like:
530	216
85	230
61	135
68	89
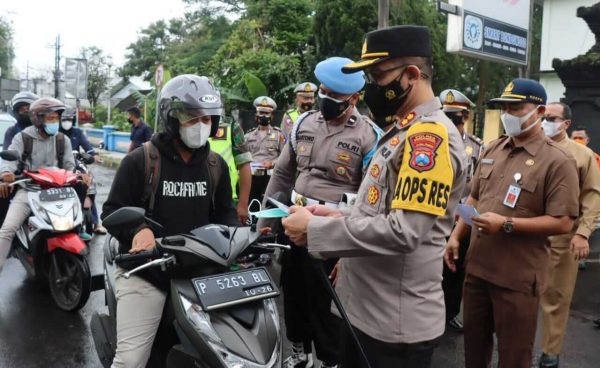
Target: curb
109	161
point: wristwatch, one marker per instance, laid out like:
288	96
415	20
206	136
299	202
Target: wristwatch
508	226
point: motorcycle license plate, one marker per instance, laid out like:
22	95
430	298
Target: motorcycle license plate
57	194
234	288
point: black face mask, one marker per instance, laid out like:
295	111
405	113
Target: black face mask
384	101
24	119
332	109
383	121
457	120
130	121
306	106
264	120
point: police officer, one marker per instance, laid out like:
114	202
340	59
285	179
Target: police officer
392	240
305	99
323	159
457	107
525	189
266	143
229	142
567	249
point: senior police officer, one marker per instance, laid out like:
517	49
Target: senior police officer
393	237
266	143
457	107
323	159
525	189
305	100
567	249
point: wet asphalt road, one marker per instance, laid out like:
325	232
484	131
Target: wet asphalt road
35	334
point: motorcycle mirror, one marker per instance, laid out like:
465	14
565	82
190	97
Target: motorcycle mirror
124	218
11	155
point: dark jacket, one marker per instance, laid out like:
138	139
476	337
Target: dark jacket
10	134
78	140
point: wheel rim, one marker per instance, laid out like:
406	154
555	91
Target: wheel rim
67	280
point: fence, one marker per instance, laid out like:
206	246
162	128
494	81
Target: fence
111	140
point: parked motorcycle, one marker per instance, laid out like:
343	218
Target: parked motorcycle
82	160
48	244
213	317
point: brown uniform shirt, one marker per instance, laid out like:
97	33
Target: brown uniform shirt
549	186
265	144
589	196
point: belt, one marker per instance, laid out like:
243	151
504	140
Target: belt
300	200
259	170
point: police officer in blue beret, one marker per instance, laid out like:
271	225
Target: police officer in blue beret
322	163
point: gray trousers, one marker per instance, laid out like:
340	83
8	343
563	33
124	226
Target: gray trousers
18	212
139	309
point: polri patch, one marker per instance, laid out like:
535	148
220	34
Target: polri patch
423	150
373	195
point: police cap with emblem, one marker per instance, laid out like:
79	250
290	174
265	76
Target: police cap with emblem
306	89
522	90
329	73
387	43
454	101
264	104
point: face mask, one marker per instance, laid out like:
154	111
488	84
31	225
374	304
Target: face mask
513	124
384	101
195	136
264	120
580	141
270	213
306	106
551	129
332	108
24	119
66	125
130	121
51	128
457	120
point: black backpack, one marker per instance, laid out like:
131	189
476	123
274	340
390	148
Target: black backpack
28	149
152	175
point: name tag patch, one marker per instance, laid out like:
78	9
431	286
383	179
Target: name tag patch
426	174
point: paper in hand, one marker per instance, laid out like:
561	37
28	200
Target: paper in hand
467	212
279	205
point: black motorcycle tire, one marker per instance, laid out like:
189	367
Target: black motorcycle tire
87	221
70	280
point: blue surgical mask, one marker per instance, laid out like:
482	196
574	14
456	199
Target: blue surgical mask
51	128
270	213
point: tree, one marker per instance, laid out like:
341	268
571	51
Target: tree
98	73
7	53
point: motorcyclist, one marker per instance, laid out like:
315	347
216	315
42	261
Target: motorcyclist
80	142
20	109
45	116
186	198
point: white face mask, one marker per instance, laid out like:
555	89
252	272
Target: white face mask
551	129
66	125
513	124
195	136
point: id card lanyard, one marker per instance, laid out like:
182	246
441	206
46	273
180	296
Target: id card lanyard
513	192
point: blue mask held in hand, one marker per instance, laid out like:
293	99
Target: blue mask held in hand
270	213
51	128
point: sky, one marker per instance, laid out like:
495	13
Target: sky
108	24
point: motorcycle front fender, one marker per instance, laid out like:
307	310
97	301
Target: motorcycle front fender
70	242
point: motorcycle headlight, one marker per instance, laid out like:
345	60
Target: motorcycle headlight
202	324
61	223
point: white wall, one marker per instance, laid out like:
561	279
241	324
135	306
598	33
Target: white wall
564	36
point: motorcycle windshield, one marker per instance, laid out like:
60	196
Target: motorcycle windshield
225	241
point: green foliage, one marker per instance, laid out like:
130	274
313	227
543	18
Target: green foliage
98	74
7	53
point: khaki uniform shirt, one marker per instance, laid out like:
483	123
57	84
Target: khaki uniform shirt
589	195
328	160
390	284
265	144
548	186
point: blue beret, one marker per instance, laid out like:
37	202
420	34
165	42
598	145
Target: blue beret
329	73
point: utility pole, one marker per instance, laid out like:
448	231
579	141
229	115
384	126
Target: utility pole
109	94
383	13
27	76
56	66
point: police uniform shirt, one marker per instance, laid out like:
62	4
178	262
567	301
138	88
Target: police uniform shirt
265	144
396	232
548	183
328	159
473	148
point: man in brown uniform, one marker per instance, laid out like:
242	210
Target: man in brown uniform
566	250
393	237
266	143
324	159
525	189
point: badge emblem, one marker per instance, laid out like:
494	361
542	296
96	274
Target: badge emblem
341	170
344	157
529	162
300	200
394	141
423	150
469	150
450	97
220	133
390	94
407	119
307	88
509	87
301	149
273	135
373	194
375	171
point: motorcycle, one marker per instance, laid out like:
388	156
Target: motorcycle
47	244
213	317
82	160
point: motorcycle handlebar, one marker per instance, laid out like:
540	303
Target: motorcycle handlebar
140	256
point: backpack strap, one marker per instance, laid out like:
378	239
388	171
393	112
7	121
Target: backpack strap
151	175
27	149
60	149
214	175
